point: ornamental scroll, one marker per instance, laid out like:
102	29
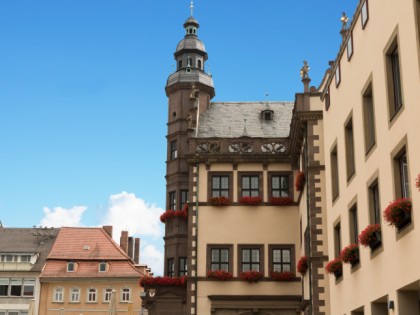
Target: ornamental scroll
208	147
273	148
241	147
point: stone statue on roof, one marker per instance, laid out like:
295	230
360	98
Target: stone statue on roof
304	71
344	19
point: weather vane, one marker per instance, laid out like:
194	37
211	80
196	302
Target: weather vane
192	7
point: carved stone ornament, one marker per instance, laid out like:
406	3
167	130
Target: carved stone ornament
241	147
208	147
273	148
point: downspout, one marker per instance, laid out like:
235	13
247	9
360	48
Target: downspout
308	216
196	237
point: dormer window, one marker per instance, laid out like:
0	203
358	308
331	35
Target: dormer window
267	115
102	266
70	266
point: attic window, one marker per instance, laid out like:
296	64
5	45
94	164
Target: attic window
102	266
70	266
267	115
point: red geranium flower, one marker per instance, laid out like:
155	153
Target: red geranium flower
282	276
162	281
300	181
334	266
368	235
251	276
302	265
219	201
281	201
250	201
350	254
219	275
394	213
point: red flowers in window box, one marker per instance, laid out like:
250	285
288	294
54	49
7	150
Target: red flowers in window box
169	214
281	201
371	236
350	254
282	276
300	181
302	265
398	212
219	275
418	182
335	267
219	201
250	201
251	276
162	281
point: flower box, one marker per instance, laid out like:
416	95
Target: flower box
335	267
220	275
282	276
281	201
250	201
251	276
300	181
350	254
418	182
219	201
302	265
371	236
162	281
398	213
169	214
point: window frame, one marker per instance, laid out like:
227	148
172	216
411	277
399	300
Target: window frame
92	292
172	200
374	202
125	297
401	174
170	267
351	45
210	176
173	150
250	174
290	247
26	284
260	247
107	294
335	177
60	294
72	268
349	146
394	79
353	224
337	75
229	247
364	18
288	174
105	264
182	266
369	124
337	238
76	291
327	99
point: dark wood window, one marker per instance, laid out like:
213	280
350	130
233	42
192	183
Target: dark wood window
179	64
353	224
250	185
199	65
394	84
174	150
219	257
279	185
350	163
183	267
337	75
364	13
172	200
251	258
350	47
402	184
374	204
184	198
281	258
337	239
327	98
334	173
369	119
170	267
220	186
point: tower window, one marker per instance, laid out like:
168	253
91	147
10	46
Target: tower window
179	64
267	115
199	64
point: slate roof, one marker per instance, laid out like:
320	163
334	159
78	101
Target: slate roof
87	247
226	120
28	240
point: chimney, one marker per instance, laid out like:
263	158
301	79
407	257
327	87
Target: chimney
108	229
130	247
137	250
124	241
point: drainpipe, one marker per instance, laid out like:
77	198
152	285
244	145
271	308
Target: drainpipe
196	233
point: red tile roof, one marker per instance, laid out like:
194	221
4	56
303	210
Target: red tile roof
85	244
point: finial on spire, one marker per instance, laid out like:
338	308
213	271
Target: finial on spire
192	7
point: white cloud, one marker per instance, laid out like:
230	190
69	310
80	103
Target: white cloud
59	216
153	258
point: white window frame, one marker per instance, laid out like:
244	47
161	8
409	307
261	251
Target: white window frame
75	295
73	264
92	292
107	295
125	294
103	263
58	294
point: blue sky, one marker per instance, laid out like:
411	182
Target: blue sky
82	102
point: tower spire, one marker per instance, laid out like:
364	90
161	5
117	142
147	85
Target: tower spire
192	7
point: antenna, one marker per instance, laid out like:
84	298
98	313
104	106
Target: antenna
192	7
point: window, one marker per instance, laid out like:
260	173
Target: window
171	268
353	224
219	257
58	295
107	294
220	186
334	173
394	84
102	266
251	258
350	47
179	64
125	294
172	200
4	286
16	287
402	184
281	258
70	266
183	266
199	65
250	185
365	13
91	295
28	287
184	197
337	239
25	258
279	185
190	61
174	150
327	98
267	115
349	149
369	118
374	205
337	75
75	295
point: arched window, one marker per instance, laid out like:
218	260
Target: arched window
70	266
199	64
190	62
125	294
107	294
58	294
103	266
75	295
91	295
179	64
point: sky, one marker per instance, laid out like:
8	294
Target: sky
83	109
